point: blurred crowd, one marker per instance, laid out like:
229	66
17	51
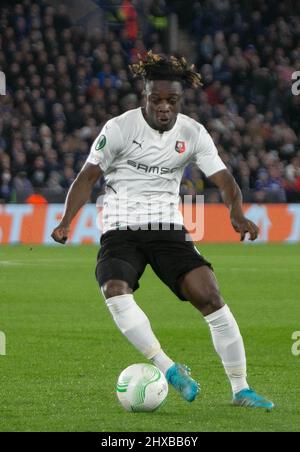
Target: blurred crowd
63	85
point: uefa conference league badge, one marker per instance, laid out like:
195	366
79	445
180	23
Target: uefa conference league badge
101	143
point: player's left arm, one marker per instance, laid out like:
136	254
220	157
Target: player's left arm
232	197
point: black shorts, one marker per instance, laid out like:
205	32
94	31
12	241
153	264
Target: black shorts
124	255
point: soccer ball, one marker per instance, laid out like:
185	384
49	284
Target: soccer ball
142	387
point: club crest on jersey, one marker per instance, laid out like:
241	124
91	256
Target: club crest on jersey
180	147
101	143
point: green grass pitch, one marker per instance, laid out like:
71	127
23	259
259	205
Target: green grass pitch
64	353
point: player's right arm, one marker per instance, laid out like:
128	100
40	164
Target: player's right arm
78	195
104	150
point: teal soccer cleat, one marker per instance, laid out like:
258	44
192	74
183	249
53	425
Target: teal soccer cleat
179	377
249	399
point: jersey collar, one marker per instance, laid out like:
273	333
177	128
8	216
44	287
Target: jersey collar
157	132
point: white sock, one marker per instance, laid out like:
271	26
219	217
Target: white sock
162	361
229	345
135	325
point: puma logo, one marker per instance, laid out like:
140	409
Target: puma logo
139	144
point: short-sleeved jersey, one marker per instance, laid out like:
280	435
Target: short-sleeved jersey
143	168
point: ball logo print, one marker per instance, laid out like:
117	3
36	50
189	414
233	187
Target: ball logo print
296	345
2	84
296	84
2	344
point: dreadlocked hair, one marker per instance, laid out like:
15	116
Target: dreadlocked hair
158	67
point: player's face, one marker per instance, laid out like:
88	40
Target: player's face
163	103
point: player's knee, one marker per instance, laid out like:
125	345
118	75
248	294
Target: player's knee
114	288
208	301
213	299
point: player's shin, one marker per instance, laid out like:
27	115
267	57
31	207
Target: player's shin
229	345
135	325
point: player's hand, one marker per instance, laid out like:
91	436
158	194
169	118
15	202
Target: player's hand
243	226
60	233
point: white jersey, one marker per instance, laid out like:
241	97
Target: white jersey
143	168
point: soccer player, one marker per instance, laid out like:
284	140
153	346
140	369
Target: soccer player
142	154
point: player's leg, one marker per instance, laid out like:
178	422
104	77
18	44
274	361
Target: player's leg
201	288
135	325
163	248
132	321
120	266
179	265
